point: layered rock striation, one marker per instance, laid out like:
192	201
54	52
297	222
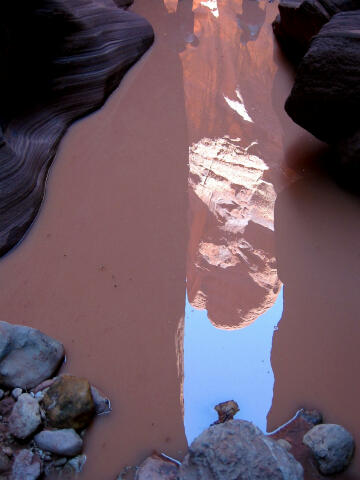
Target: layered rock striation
60	60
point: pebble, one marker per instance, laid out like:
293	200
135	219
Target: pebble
16	393
26	466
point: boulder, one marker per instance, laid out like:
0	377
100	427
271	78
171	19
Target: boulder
299	21
238	450
68	403
332	447
26	466
61	442
157	467
25	417
325	99
27	356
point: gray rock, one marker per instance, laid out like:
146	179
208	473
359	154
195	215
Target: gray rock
16	393
4	462
237	450
102	404
27	356
26	466
61	442
332	446
77	463
25	416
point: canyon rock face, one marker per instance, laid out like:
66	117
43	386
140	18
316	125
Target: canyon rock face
60	60
237	248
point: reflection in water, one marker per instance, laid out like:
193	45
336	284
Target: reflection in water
220	365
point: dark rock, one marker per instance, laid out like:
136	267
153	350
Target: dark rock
157	467
238	450
299	21
75	54
325	99
61	442
102	403
25	417
27	356
27	466
68	403
332	446
226	411
5	463
6	406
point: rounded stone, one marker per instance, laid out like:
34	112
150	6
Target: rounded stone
64	442
25	417
332	447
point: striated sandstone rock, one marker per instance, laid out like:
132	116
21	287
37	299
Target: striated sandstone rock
332	446
237	450
27	356
25	417
61	442
68	403
75	54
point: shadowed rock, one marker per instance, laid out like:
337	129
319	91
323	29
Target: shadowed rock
74	55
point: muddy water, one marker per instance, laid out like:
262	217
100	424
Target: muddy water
172	218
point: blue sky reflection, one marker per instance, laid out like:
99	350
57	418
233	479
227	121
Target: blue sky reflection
222	365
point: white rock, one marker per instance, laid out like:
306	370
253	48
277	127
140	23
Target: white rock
25	416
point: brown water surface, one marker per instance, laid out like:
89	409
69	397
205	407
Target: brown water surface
174	185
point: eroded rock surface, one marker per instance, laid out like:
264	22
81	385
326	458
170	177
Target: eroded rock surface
75	54
27	356
238	450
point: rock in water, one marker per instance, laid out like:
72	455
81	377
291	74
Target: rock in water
68	403
237	450
26	466
325	99
157	467
61	442
332	446
74	55
27	356
25	417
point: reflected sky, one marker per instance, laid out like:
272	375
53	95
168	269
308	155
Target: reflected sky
221	365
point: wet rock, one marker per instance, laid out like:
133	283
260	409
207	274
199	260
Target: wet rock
68	403
332	446
237	449
27	356
4	462
61	442
102	404
76	464
226	411
157	467
25	417
325	99
26	466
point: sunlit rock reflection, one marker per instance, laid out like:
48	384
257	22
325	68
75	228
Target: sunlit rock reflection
234	258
